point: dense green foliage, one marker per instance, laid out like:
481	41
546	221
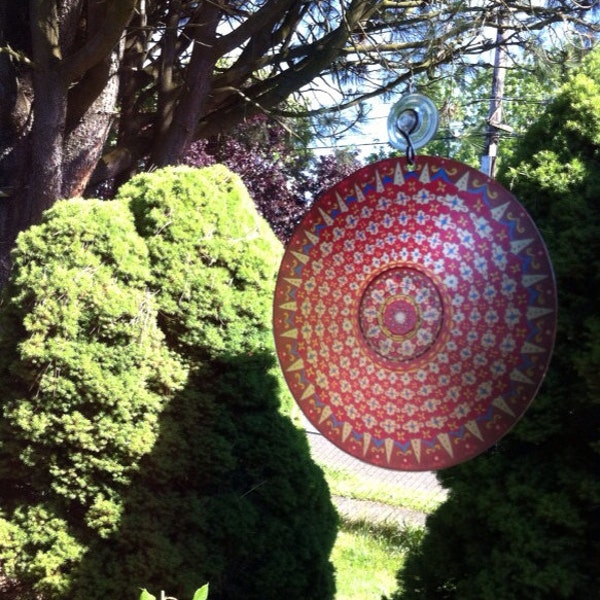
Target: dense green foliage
212	260
141	438
523	520
464	98
199	594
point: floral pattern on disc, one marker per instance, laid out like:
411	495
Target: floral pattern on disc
415	313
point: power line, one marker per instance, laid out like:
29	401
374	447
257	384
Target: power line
449	138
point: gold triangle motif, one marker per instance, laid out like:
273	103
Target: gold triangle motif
520	377
308	392
289	306
444	440
312	238
366	443
293	281
359	195
473	428
341	203
500	403
398	175
301	257
328	220
325	414
424	178
378	182
529	348
389	446
499	211
346	431
463	183
416	447
291	333
529	280
297	366
533	312
517	246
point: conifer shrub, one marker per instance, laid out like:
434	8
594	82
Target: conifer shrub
523	519
85	375
142	442
212	257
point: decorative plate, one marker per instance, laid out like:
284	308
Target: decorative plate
415	313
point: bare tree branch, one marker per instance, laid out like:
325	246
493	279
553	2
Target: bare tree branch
102	41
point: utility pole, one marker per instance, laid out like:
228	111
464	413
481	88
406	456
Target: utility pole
495	120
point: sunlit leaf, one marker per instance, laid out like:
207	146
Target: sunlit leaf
202	593
146	595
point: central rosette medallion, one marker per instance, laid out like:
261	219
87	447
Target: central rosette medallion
400	314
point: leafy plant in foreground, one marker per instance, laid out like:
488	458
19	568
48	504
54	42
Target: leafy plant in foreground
199	594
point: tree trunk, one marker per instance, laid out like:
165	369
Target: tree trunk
85	142
58	93
33	166
194	97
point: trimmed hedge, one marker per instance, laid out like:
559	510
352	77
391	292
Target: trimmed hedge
142	442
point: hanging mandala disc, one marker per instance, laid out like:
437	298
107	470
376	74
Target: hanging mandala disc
414	313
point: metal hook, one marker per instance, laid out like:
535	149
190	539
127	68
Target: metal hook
410	151
407	123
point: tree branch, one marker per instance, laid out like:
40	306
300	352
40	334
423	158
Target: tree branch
45	35
263	18
102	41
169	147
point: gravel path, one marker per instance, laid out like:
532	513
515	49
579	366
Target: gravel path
423	483
352	509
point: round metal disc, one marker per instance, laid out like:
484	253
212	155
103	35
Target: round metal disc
415	115
414	313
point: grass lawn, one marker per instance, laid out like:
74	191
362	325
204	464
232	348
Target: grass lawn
367	557
350	485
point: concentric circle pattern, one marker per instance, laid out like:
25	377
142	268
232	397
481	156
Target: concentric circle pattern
414	313
400	314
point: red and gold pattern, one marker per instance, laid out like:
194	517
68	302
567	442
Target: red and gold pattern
414	313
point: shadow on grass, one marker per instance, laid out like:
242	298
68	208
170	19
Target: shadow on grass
228	496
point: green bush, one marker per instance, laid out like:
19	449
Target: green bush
523	520
141	438
212	259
